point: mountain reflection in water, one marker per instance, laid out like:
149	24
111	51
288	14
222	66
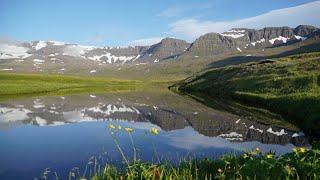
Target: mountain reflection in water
64	132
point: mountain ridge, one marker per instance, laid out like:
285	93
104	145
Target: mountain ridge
232	41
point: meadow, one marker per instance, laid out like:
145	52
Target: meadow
27	85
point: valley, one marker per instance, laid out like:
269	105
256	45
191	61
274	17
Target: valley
245	91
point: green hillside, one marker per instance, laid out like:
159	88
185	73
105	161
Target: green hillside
288	86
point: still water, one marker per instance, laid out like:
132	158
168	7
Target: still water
71	132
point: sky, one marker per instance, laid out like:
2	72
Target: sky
144	22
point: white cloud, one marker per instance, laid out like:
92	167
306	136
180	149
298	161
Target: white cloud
145	42
190	29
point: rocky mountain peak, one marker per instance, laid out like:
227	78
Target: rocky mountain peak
304	30
213	43
167	48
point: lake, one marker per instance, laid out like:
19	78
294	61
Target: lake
66	133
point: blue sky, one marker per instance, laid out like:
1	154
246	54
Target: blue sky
120	23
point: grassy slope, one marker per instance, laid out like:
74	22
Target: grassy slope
288	86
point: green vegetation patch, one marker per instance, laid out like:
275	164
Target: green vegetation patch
288	86
22	85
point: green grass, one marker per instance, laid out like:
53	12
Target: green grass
290	166
288	86
24	85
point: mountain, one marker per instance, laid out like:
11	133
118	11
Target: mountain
53	51
304	30
232	41
170	57
268	37
166	49
213	43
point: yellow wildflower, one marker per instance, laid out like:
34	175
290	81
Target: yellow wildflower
119	127
245	156
294	149
302	150
111	126
220	170
129	130
253	153
257	149
269	156
154	131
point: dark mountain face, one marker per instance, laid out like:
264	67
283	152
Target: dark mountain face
166	49
213	43
304	30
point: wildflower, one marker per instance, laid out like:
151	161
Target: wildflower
294	149
253	153
302	150
269	156
154	131
111	126
129	130
257	149
227	162
156	173
119	127
220	170
245	156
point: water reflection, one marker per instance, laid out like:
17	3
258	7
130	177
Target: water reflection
58	132
166	110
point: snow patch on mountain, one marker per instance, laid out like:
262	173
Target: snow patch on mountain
40	45
111	57
73	50
10	51
280	38
237	35
234	33
300	38
260	41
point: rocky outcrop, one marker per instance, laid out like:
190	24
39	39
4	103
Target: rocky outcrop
304	30
315	35
166	49
213	43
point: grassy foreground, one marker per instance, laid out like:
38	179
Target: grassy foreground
24	85
300	164
288	86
